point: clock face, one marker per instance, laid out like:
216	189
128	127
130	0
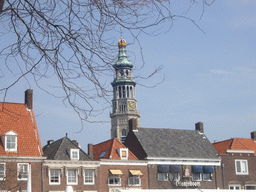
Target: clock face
131	105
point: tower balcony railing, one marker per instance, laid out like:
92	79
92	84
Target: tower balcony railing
125	113
124	78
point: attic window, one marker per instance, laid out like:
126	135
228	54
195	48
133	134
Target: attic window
74	154
123	153
10	141
103	154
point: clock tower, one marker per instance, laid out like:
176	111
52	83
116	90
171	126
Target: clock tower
124	104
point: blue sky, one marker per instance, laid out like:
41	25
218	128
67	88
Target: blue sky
209	77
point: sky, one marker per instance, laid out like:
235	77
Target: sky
209	77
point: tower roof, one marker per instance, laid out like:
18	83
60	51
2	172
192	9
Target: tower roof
122	61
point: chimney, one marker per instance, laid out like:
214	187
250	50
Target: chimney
90	150
75	142
132	124
49	142
253	136
29	98
200	127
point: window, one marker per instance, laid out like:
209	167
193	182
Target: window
174	176
10	141
207	176
103	154
196	172
114	180
123	137
241	167
134	180
2	171
22	171
234	187
115	177
207	173
196	176
54	178
250	187
74	154
123	153
89	176
162	176
72	176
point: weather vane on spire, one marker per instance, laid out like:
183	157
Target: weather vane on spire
121	31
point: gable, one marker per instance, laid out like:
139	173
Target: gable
60	150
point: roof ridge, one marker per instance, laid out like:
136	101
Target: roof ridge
112	147
57	149
243	144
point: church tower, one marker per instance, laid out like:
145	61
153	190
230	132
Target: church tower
124	104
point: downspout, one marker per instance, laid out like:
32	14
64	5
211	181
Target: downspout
42	167
223	179
216	182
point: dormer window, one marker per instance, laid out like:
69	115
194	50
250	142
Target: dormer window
123	153
10	141
74	154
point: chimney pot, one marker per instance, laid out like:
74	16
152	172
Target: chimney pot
132	124
29	98
90	150
199	127
253	136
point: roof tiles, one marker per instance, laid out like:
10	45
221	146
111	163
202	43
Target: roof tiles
16	117
111	146
235	144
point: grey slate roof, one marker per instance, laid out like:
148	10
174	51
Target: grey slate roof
60	150
173	143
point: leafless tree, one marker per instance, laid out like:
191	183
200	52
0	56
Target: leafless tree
71	44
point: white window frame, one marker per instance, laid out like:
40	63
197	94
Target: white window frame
165	178
72	152
76	176
239	186
248	185
90	177
5	137
193	176
121	153
133	178
59	176
205	179
18	171
242	172
4	172
174	176
117	177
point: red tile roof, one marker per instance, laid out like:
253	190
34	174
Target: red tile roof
16	117
235	143
111	146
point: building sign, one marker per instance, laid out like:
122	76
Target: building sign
186	172
187	184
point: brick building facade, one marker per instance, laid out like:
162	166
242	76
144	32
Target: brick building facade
238	170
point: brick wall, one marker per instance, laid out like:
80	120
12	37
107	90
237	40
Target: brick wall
104	174
63	182
229	169
154	183
11	183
